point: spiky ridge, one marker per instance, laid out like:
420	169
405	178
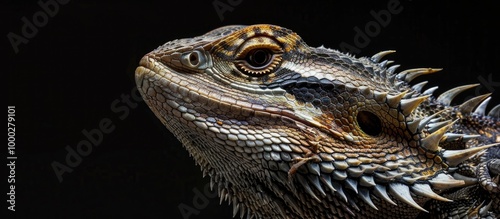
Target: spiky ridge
439	125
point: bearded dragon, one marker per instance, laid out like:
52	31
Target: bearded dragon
285	130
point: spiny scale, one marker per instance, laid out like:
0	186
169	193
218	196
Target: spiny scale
430	91
495	112
446	97
469	105
418	87
481	109
425	190
410	74
427	119
444	181
377	57
395	100
454	157
381	192
414	125
408	105
431	142
402	192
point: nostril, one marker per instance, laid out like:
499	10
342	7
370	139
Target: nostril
195	59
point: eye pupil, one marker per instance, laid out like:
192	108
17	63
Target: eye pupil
193	58
259	58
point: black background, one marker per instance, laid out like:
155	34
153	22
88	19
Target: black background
66	78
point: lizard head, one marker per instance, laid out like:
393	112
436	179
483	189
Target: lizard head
260	110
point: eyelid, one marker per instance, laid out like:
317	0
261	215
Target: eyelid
258	42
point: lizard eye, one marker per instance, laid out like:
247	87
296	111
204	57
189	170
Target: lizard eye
259	62
258	56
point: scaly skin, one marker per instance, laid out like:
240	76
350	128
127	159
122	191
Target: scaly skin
285	130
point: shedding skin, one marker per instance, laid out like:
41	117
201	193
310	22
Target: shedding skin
285	130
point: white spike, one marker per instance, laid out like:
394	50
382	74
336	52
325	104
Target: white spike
455	157
367	181
392	69
327	180
383	63
466	138
470	104
394	100
452	136
222	195
377	57
418	87
364	194
444	181
468	180
315	181
402	192
430	91
391	77
495	112
242	210
432	127
399	84
481	109
340	190
426	191
383	73
379	96
435	120
427	119
381	192
410	94
306	186
236	208
351	184
408	105
485	208
414	125
431	142
446	97
410	74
